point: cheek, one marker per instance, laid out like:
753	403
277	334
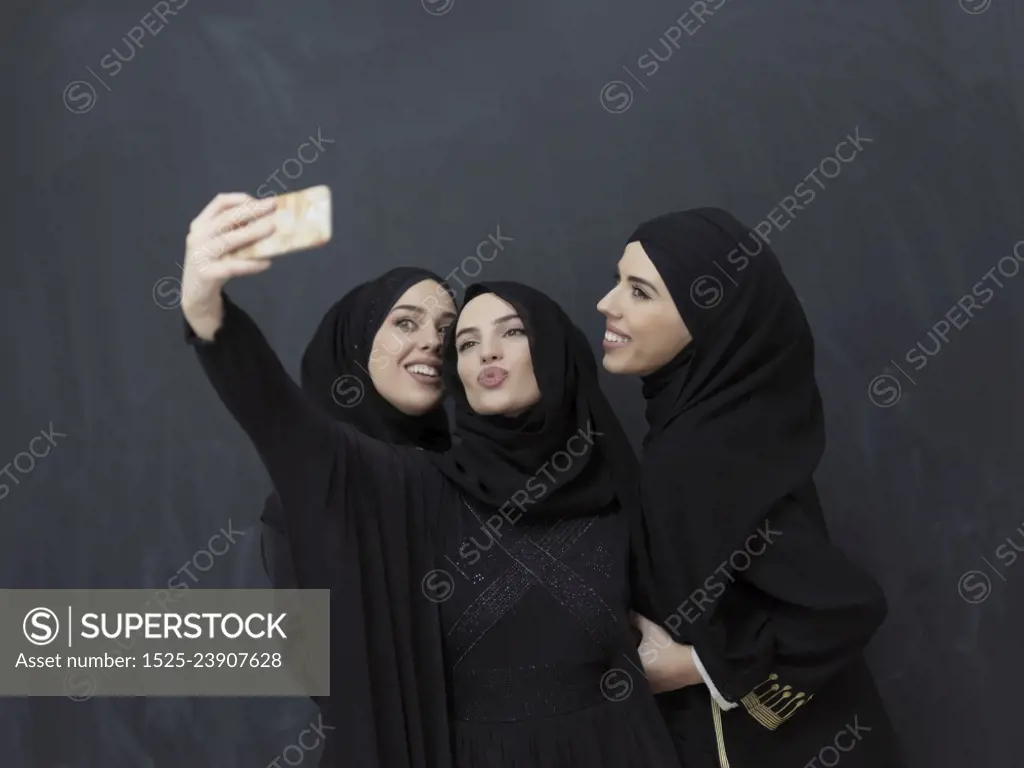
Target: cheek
649	331
465	373
642	325
389	348
527	376
666	337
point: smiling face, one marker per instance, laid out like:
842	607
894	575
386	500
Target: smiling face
405	361
644	329
495	364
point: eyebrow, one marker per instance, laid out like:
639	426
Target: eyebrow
635	279
421	311
499	321
408	308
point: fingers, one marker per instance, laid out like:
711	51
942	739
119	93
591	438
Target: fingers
239	216
649	628
222	246
637	620
221	202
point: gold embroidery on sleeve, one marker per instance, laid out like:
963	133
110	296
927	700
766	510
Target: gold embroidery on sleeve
772	704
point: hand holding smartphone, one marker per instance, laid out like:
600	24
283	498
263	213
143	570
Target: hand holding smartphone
235	235
302	220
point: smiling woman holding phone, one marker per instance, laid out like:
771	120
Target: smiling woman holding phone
496	661
374	362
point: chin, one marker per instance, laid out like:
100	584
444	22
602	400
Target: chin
417	406
487	407
616	364
494	404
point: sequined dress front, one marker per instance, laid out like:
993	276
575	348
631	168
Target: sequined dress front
543	671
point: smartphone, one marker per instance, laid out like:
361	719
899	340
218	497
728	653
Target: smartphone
303	221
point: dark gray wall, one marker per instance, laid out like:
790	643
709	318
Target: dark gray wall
446	126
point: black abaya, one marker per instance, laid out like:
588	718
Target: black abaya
353	505
334	372
740	563
459	644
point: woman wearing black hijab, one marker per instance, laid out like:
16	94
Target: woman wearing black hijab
737	561
491	627
376	329
336	375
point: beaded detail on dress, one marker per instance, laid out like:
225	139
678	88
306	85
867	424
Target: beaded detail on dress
535	627
535	561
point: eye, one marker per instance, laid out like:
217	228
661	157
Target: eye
406	324
443	331
636	293
515	332
463	346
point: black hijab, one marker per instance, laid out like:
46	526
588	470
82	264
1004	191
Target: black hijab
334	375
334	366
568	453
736	419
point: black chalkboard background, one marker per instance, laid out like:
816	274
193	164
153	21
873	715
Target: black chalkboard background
442	121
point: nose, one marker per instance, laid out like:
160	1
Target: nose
429	339
606	306
490	351
431	342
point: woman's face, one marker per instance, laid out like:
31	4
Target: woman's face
644	329
495	364
405	361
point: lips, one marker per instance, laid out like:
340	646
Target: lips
492	376
425	373
613	337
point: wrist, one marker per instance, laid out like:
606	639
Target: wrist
204	313
685	669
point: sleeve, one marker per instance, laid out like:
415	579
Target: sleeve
305	452
277	559
715	693
293	439
798	613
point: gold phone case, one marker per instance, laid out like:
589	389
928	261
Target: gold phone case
303	221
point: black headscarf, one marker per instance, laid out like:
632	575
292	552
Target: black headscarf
548	451
335	365
736	419
335	376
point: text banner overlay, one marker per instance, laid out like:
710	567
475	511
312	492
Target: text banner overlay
85	643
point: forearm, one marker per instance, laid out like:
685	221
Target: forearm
706	678
205	314
790	638
683	666
669	665
291	437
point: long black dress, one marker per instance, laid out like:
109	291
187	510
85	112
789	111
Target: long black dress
339	352
521	657
334	375
741	565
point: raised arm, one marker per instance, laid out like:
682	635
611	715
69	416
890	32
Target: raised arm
315	463
293	438
295	441
277	558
